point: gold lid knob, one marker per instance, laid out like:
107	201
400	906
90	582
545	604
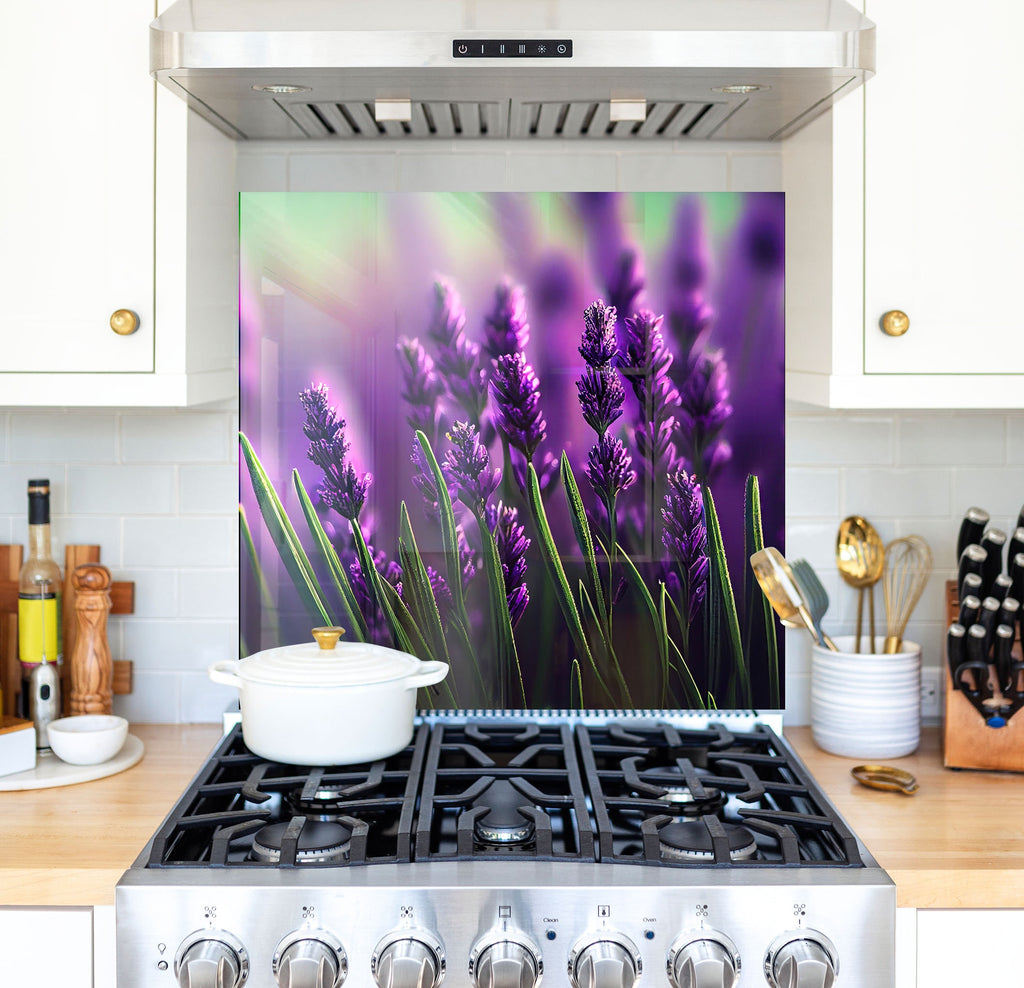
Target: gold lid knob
124	322
327	638
895	323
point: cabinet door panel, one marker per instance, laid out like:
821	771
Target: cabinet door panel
43	946
944	198
76	188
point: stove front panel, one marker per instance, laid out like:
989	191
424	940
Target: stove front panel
551	913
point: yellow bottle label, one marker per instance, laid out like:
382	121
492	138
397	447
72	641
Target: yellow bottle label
38	629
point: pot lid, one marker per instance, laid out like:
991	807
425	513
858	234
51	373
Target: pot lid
328	662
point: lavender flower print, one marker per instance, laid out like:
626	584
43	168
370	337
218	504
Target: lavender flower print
506	328
342	489
423	386
608	468
458	358
466	466
703	409
686	538
512	543
515	391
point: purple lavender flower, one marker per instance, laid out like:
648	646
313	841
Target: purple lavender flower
703	410
507	330
423	481
687	263
686	537
423	386
601	397
608	467
645	364
342	489
458	358
626	284
512	543
442	593
516	393
390	571
467	467
599	347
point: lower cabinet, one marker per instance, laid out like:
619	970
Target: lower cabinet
43	946
969	946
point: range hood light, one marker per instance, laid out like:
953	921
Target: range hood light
399	110
281	90
627	109
740	89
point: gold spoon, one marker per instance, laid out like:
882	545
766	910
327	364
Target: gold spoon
776	581
860	558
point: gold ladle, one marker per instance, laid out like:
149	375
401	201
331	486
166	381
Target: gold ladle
860	558
775	578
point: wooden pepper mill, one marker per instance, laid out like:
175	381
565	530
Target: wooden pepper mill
92	670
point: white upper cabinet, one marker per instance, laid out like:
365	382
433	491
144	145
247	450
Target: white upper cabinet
95	195
907	198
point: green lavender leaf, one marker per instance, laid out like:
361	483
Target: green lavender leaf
581	529
418	593
449	528
759	629
356	623
501	626
587	607
268	606
289	548
576	683
728	645
658	623
688	682
553	564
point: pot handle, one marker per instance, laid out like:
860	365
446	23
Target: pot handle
224	672
430	673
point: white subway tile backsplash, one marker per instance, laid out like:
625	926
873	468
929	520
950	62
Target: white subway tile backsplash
74	437
1015	440
209	490
566	172
104	531
14	478
180	542
812	493
192	437
452	172
155	698
156	592
121	490
755	172
999	490
209	593
885	493
164	645
818	440
962	440
261	172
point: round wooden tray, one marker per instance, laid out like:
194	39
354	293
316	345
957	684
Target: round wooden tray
50	771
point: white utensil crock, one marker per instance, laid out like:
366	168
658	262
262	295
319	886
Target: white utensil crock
305	705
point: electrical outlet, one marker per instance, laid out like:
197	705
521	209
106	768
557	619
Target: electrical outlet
931	694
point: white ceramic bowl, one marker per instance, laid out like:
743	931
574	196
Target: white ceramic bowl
88	739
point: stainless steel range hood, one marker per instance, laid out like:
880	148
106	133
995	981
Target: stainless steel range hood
498	69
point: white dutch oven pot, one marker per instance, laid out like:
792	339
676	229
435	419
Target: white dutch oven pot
325	702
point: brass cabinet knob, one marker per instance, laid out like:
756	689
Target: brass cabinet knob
895	323
124	322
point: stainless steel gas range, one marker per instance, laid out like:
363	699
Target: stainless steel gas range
597	850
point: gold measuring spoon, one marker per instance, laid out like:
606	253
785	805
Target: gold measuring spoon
860	558
776	580
885	777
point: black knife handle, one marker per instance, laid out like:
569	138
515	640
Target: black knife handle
989	618
1009	612
1001	586
972	560
970	609
956	650
993	542
977	661
1020	518
971	586
1002	661
971	528
1015	546
1016	570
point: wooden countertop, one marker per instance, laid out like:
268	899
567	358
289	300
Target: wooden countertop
959	842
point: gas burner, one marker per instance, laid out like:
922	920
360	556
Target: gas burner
319	843
326	803
691	841
502	824
682	801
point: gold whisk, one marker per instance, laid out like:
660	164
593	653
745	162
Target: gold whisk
908	564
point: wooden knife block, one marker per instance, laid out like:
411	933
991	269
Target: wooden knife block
967	741
122	598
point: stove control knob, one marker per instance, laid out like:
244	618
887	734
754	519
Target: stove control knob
801	959
606	960
310	959
707	959
408	959
505	961
211	959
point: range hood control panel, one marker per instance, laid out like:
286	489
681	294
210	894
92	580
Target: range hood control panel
512	48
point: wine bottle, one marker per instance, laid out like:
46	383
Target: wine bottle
39	595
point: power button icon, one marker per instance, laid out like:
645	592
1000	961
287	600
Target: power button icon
463	49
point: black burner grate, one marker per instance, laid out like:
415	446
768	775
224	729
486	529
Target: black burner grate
634	792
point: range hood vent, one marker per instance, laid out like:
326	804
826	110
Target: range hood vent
690	69
356	120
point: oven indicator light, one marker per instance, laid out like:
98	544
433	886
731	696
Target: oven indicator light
551	934
649	934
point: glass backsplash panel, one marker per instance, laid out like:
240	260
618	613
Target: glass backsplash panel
512	431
